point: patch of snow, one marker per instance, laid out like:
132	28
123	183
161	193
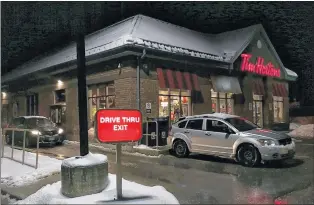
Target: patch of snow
142	146
134	192
303	131
16	174
89	159
294	126
33	116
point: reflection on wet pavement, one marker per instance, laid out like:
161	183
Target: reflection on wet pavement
202	179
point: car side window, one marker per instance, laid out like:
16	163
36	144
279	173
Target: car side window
216	126
182	124
196	124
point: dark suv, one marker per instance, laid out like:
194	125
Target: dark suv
48	132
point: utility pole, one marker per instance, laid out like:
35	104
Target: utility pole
82	94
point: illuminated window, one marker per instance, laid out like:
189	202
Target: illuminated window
222	102
278	109
100	96
179	100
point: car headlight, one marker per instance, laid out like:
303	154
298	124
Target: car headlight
267	142
35	132
60	131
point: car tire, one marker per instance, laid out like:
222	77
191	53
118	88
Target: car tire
180	149
59	143
248	155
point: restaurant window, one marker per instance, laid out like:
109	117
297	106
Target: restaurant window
32	104
278	108
100	96
258	110
222	102
60	96
179	101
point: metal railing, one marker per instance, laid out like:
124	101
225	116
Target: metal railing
14	130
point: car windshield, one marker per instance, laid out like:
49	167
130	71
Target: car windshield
39	122
241	124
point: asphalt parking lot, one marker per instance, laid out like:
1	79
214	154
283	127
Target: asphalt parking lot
202	179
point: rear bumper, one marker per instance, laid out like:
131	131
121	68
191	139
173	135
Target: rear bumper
277	152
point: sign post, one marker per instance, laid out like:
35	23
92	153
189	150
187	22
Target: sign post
118	126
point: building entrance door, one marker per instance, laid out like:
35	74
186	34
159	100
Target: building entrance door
258	110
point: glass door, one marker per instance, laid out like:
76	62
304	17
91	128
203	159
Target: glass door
258	111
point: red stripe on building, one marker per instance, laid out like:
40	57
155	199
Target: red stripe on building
161	78
170	79
274	89
188	81
196	82
285	91
179	79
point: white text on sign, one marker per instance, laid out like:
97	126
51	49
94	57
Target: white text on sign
117	120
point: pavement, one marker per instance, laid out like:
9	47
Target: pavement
202	179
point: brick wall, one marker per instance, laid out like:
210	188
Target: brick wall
204	106
45	99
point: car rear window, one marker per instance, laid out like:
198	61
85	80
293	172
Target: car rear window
196	124
182	124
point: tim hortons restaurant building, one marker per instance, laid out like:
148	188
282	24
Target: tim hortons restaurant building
183	72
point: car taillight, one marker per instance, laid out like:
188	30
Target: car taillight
280	202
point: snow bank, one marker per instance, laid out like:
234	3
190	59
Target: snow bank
142	146
134	192
294	126
90	159
303	131
15	174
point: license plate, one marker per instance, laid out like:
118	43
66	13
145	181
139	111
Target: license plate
283	151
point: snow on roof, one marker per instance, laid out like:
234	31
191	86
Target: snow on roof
216	115
31	116
89	159
291	73
146	32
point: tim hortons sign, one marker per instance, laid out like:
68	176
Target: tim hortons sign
259	67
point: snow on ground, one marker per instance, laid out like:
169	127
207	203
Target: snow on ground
15	174
5	199
303	131
89	159
142	146
134	192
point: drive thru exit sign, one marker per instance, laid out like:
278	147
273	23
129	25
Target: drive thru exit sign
118	125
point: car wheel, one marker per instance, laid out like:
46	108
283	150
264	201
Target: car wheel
248	155
59	143
180	149
8	140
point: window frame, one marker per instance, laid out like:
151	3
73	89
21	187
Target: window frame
202	129
222	121
32	104
55	96
225	97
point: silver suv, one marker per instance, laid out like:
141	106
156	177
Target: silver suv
229	136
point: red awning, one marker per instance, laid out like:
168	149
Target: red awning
279	89
177	80
258	87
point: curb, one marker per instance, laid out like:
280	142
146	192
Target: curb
5	191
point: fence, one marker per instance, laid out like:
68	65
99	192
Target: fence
11	157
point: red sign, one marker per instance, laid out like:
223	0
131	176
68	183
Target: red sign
259	67
114	125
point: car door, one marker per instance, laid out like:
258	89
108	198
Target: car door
222	136
195	131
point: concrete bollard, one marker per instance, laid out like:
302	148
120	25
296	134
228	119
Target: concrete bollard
84	175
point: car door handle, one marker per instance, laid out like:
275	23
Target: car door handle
208	134
186	132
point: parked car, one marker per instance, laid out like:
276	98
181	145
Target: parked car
229	136
48	132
